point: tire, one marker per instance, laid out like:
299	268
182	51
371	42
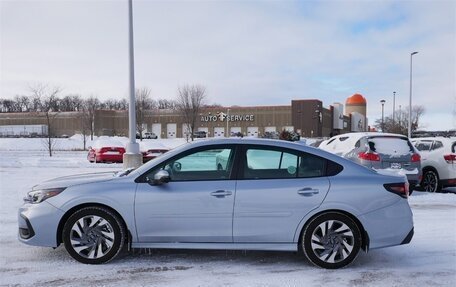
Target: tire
430	181
333	249
92	231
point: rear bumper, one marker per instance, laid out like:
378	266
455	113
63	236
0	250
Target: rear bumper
448	182
409	237
110	157
389	226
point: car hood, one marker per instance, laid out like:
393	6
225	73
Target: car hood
77	179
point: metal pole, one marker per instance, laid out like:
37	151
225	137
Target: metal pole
131	157
383	123
410	98
394	109
227	123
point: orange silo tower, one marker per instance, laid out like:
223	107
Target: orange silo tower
356	103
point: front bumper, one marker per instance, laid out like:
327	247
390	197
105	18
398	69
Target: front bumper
38	224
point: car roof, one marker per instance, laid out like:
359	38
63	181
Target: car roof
444	139
370	134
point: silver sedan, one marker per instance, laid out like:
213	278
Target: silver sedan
266	195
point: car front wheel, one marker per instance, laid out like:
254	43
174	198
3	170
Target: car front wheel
430	181
331	240
94	235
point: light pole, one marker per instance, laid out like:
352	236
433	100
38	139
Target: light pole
410	99
394	109
383	108
227	123
132	158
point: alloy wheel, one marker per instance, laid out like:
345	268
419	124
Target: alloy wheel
92	237
332	241
430	181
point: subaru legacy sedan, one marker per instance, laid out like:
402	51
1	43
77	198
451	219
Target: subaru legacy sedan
267	195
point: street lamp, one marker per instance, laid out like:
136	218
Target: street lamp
383	108
410	99
394	109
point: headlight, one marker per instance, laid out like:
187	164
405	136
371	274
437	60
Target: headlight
37	196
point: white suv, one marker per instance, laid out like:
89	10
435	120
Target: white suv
438	161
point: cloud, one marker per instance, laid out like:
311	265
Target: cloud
245	53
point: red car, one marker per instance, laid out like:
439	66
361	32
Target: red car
151	150
153	153
106	151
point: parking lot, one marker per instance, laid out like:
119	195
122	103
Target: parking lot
430	258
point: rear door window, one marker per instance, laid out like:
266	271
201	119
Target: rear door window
423	145
437	145
277	163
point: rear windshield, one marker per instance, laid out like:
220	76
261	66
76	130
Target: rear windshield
390	145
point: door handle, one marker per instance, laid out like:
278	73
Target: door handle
221	193
307	191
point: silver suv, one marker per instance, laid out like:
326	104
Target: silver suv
380	151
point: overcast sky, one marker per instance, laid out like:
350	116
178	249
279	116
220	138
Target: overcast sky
245	53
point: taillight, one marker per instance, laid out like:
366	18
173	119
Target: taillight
450	158
416	157
369	156
401	189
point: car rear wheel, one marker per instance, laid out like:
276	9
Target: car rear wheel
93	235
430	181
331	240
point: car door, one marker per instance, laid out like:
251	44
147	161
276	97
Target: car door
196	205
276	189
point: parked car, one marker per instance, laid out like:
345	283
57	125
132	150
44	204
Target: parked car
151	150
271	135
380	151
199	134
146	135
270	195
150	135
106	151
438	162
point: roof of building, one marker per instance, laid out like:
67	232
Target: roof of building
356	99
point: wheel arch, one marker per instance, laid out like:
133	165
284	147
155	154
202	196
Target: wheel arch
430	167
364	235
72	210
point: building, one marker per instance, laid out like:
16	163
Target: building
307	117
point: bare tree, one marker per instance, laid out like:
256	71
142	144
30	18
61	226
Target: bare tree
190	100
400	124
48	105
144	103
89	108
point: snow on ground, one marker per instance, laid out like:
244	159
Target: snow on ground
429	260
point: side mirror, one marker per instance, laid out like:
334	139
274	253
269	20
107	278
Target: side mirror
161	177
